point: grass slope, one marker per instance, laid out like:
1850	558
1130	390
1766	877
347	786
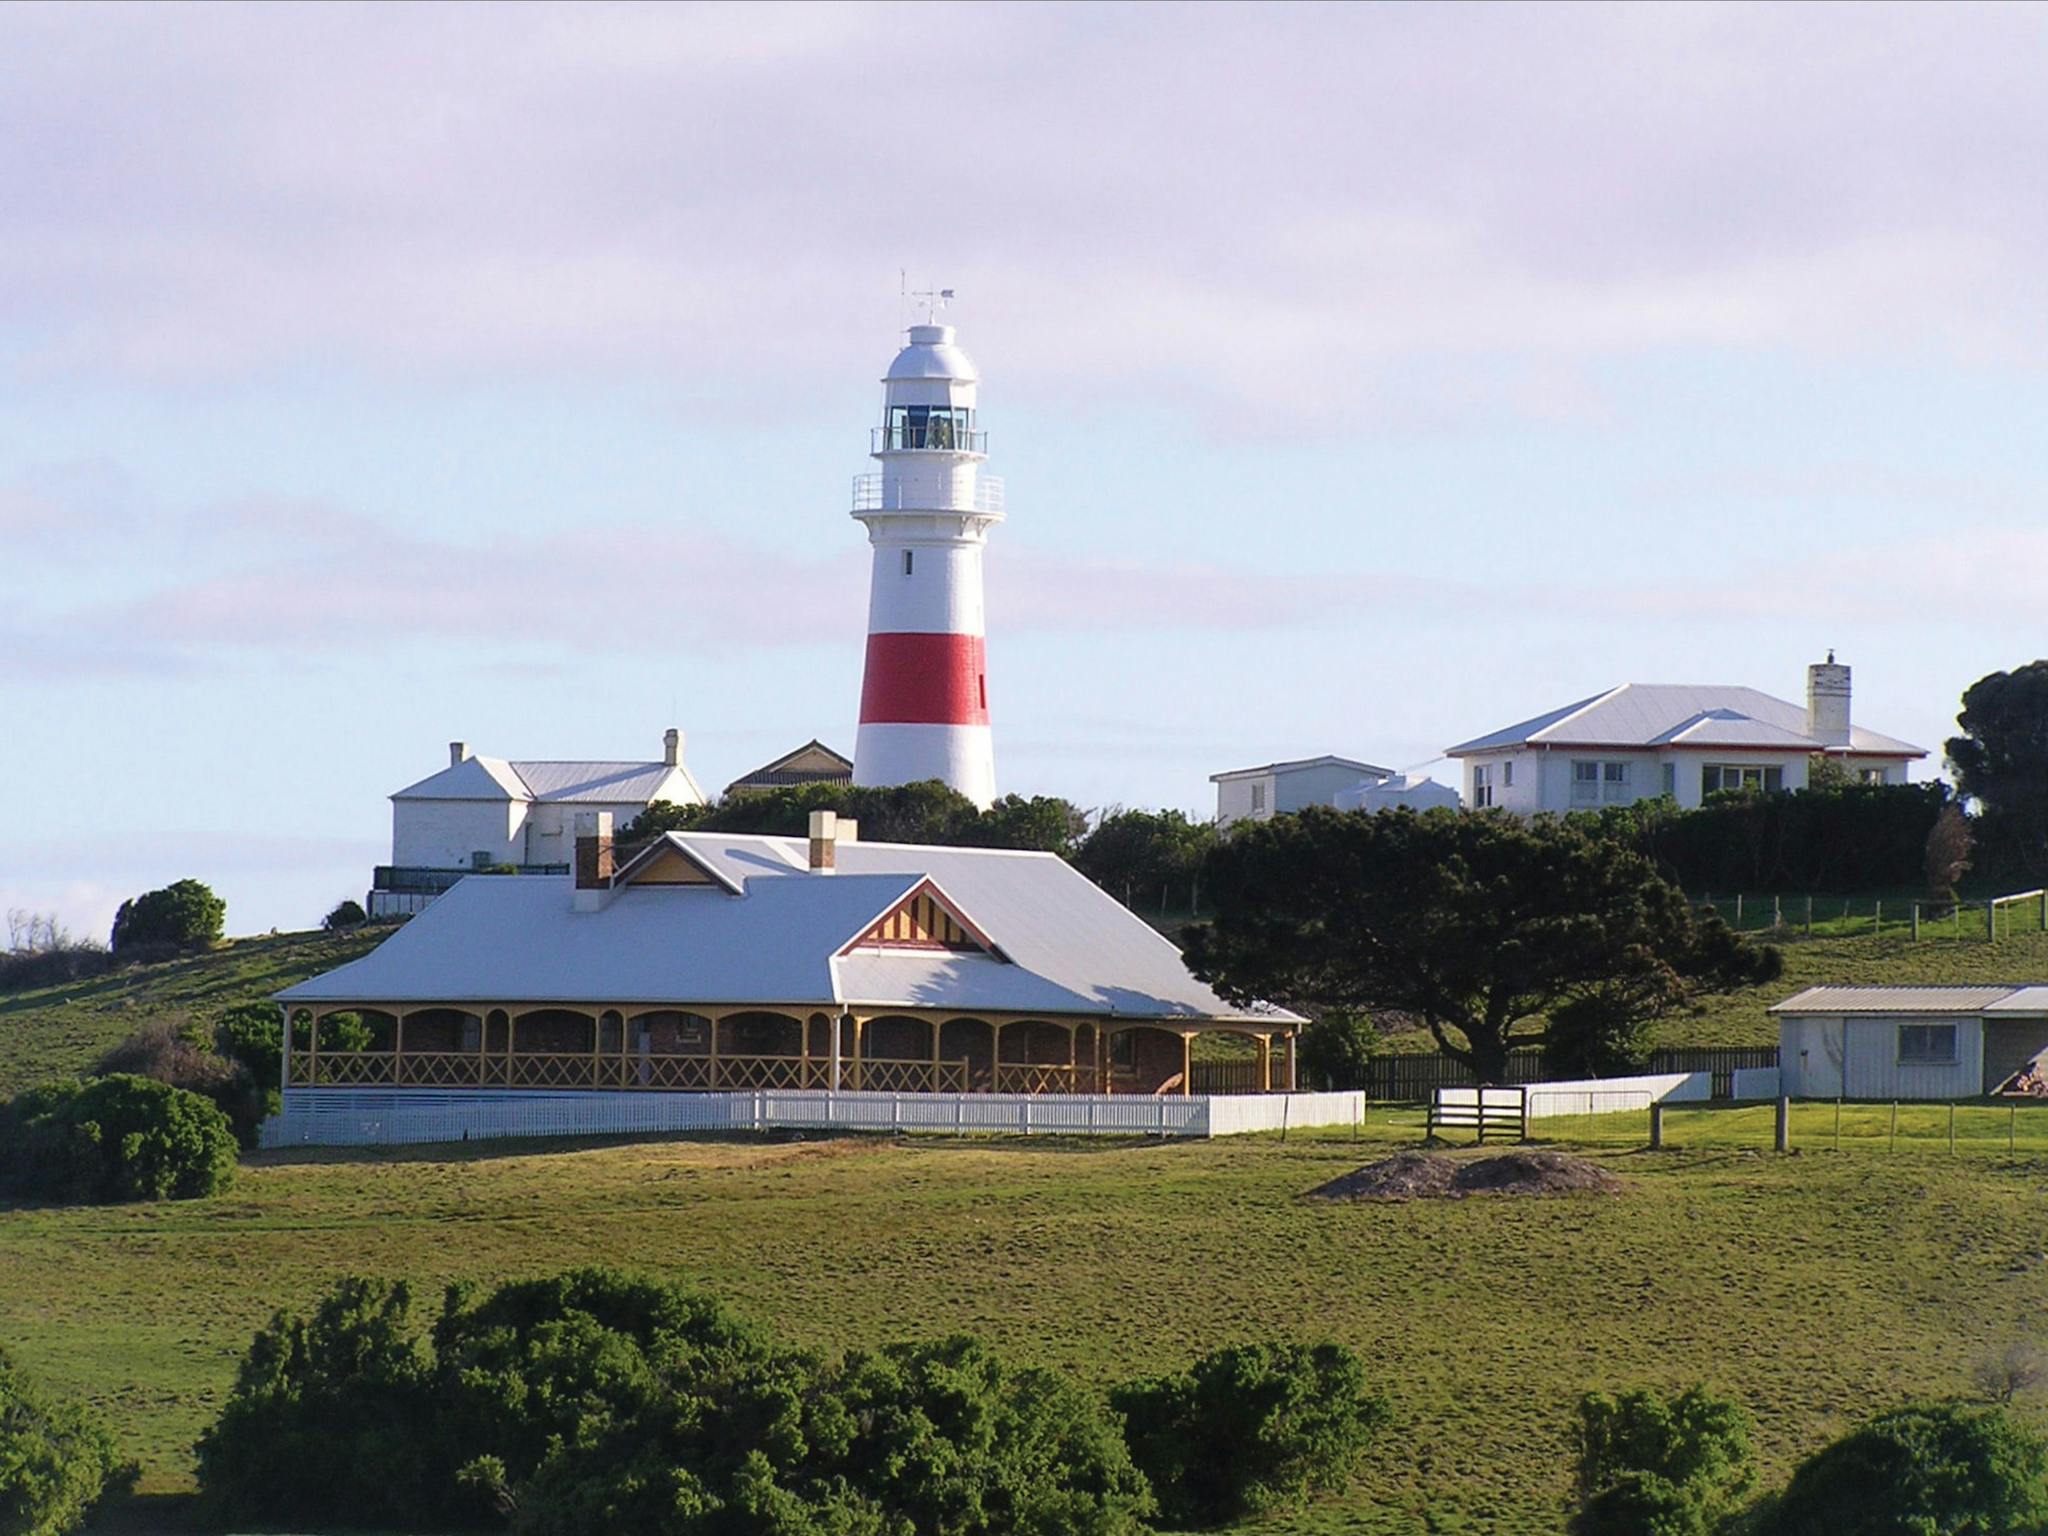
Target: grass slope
1817	1287
58	1032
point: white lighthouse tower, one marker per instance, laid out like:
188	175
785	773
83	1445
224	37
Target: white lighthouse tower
924	697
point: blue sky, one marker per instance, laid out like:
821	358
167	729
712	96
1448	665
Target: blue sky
1363	379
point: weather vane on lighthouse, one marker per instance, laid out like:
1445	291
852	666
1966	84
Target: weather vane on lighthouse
924	693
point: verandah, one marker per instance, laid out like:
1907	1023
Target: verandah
653	1048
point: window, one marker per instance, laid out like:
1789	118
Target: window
981	681
1597	783
930	426
1258	796
1873	775
1927	1044
1507	774
907	554
1671	780
1717	777
1482	786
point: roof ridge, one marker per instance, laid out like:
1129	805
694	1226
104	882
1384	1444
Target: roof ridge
1580	709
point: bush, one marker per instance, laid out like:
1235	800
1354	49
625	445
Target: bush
1943	1469
182	916
330	1415
1657	1466
1250	1428
347	914
40	953
168	1054
119	1138
594	1403
252	1034
1337	1049
56	1462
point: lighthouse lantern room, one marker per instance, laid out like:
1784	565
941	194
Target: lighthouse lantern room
924	695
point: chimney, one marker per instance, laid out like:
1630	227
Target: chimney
458	753
1827	702
849	830
824	840
593	859
672	747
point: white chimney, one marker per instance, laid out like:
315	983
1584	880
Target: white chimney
1827	702
824	840
458	753
672	747
593	859
849	830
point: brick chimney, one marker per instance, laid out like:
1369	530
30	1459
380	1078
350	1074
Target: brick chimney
672	747
824	841
593	859
1827	702
458	753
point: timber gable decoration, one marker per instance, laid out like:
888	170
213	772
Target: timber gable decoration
926	919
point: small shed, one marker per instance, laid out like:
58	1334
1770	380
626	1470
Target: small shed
1934	1042
1412	791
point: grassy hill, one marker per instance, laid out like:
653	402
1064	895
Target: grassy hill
60	1031
54	1032
1817	1288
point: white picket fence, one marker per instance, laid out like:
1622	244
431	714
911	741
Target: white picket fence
1611	1095
348	1117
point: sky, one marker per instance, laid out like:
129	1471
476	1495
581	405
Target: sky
1363	378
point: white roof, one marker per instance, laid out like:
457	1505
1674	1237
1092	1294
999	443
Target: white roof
1065	946
1958	998
1363	770
932	355
493	778
1683	715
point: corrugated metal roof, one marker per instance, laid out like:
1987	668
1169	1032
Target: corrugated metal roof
1938	999
493	778
1653	714
1366	770
2026	999
474	778
1071	948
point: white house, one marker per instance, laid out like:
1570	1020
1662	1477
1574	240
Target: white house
487	812
1642	740
1933	1042
1259	794
1408	791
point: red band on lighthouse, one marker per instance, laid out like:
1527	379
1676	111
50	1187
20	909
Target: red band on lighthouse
917	679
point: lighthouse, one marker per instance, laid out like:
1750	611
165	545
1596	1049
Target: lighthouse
924	694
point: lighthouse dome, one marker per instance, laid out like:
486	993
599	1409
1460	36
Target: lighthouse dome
931	355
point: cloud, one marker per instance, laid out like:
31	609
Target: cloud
1306	212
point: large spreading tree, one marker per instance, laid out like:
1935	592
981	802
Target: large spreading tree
2001	762
1490	931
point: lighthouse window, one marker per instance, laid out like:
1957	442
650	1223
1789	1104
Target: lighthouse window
907	555
930	426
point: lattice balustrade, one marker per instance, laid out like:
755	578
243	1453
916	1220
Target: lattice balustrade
760	1072
671	1072
444	1069
1044	1077
887	1075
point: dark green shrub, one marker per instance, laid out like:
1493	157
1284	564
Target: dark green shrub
1940	1469
56	1462
118	1138
185	1058
1249	1429
1336	1050
1660	1466
253	1034
332	1418
346	915
181	916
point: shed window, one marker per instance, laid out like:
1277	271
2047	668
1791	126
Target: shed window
907	554
1927	1044
1258	796
1482	786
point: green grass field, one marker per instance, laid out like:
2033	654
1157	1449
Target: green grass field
1817	1287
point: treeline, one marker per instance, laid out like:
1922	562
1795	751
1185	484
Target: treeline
594	1403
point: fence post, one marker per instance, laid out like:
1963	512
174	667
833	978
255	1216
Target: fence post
1838	1122
1951	1127
1809	916
1877	920
1777	912
1895	1127
1656	1127
2012	1128
1916	922
1784	1129
1738	911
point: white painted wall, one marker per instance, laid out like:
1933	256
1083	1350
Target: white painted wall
1858	1058
1234	800
443	834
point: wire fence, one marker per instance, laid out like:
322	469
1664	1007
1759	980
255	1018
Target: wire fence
1977	1128
1977	920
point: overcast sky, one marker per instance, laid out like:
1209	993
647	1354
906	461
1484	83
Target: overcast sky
1364	379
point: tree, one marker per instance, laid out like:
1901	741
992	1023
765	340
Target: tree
1045	823
346	914
1940	1469
929	812
56	1462
1948	853
2001	762
1482	927
1651	1465
1249	1429
117	1138
661	817
183	915
1146	858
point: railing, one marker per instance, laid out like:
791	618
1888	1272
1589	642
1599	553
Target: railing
418	877
1415	1077
1043	1077
582	1069
874	493
927	437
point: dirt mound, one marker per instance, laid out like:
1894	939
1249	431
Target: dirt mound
1433	1176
